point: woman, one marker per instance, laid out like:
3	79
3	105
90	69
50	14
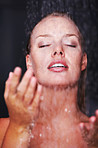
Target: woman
43	107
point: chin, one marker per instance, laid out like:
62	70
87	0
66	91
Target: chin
56	84
59	81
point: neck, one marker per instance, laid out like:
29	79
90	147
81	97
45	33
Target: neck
58	102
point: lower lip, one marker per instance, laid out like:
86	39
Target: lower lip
58	69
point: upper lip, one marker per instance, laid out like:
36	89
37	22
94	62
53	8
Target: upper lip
58	62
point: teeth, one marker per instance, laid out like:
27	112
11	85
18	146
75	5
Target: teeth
57	65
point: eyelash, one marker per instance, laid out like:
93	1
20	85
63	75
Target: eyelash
42	46
73	46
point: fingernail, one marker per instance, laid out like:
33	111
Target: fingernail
17	70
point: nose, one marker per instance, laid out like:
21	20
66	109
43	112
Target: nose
58	51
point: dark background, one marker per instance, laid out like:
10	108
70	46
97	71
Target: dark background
12	38
13	41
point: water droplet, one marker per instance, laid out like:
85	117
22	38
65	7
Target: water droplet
40	135
65	109
32	136
32	124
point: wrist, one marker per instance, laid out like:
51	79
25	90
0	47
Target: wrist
17	136
24	131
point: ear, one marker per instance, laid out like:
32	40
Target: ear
84	62
28	61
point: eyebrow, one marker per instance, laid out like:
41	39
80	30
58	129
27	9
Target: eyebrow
44	35
72	35
48	35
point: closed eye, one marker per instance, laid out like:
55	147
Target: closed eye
42	46
73	46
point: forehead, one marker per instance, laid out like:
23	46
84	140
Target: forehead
55	25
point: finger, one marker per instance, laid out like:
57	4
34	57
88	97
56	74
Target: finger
96	113
92	121
35	102
84	129
22	87
30	93
7	85
15	80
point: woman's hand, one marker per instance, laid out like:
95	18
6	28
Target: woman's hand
90	130
22	98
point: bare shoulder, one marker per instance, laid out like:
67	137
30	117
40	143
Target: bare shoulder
4	122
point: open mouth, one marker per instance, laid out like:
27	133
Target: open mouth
58	66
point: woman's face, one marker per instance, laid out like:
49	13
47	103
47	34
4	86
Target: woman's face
56	54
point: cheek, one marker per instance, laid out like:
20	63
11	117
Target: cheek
75	62
39	61
75	57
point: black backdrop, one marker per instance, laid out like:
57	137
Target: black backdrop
12	42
